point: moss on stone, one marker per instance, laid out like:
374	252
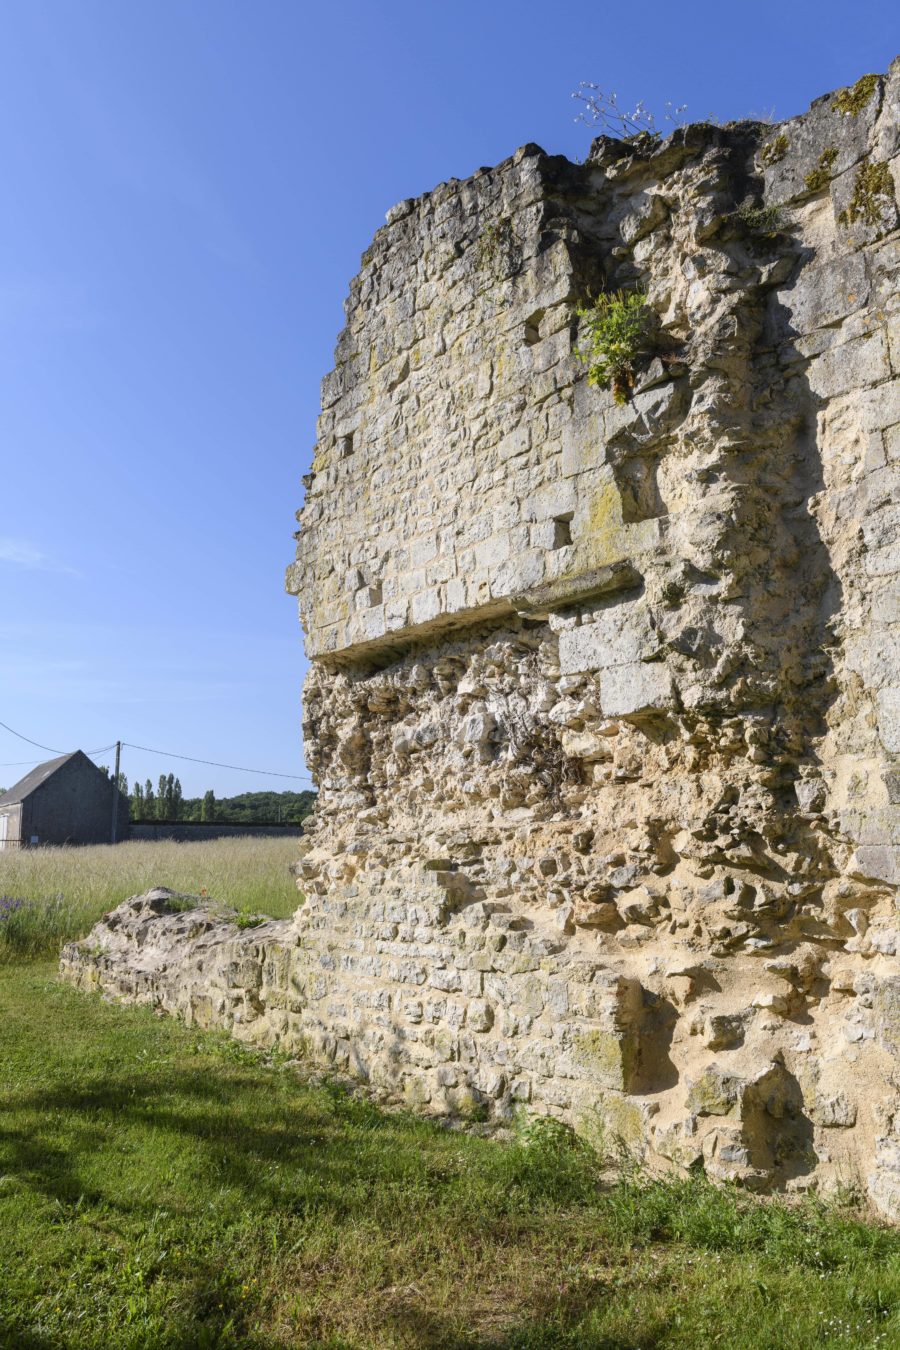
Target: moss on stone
623	1123
497	248
820	176
773	152
606	1056
605	536
853	99
415	1093
764	221
873	195
465	1104
715	1093
524	964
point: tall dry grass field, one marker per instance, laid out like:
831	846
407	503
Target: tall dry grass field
51	895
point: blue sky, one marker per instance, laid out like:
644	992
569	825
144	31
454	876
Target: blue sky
188	187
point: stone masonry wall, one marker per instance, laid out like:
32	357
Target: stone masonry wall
604	705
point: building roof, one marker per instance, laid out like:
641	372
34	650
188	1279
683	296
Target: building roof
25	786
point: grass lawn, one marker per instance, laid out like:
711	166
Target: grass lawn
164	1188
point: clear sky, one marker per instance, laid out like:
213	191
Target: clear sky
187	188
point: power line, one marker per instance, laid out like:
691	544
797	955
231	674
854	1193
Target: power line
31	742
215	764
18	763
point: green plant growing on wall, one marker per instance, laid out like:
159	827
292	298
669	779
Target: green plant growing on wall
774	151
760	220
821	174
246	918
617	330
498	248
873	195
851	101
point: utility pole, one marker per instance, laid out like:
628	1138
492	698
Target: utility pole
115	797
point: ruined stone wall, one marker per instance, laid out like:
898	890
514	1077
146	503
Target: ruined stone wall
604	705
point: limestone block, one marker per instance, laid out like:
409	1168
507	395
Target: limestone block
480	1016
823	295
479	727
647	211
887	1012
425	605
724	1031
865	204
884	1181
889	717
550	501
876	657
883	562
636	688
614	637
715	1093
582	446
374	622
605	1056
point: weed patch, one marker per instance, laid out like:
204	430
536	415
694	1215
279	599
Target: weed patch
617	328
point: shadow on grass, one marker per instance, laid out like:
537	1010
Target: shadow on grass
564	1325
308	1150
241	1150
292	1154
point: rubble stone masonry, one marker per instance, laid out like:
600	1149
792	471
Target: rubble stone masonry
604	701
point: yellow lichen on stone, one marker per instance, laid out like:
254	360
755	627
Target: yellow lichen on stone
623	1123
774	151
604	539
605	1055
853	99
820	176
873	195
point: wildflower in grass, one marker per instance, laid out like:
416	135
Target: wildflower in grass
8	905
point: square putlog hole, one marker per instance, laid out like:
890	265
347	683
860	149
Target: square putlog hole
562	530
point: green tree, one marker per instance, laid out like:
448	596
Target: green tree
208	809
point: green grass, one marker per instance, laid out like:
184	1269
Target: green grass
163	1188
67	890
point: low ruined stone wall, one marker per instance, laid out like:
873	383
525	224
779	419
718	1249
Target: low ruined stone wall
604	697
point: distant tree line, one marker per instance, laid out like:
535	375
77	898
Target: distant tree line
167	802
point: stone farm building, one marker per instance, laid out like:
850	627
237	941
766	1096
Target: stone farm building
64	801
